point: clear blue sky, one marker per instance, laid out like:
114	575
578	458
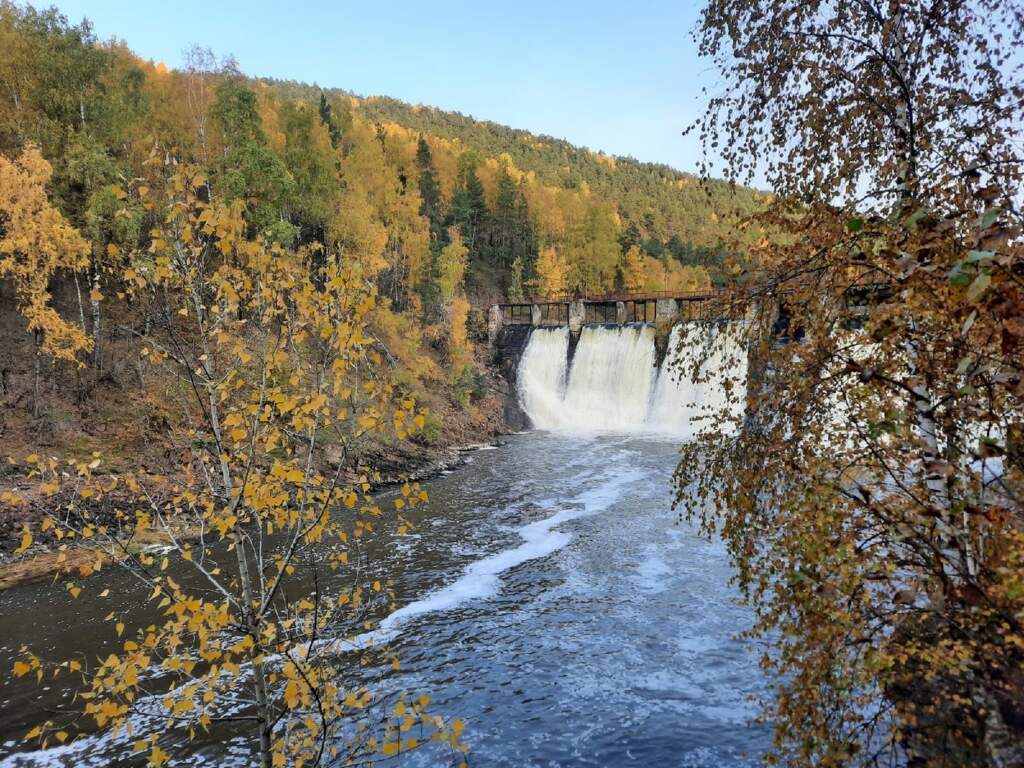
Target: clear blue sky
619	77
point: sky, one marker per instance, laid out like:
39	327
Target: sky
620	77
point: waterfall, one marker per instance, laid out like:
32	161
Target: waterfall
541	376
613	384
680	404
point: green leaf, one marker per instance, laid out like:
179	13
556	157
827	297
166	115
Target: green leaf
990	216
975	256
978	287
959	278
855	224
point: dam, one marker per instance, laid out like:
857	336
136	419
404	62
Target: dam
657	363
613	381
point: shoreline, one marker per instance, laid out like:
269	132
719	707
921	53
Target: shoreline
45	561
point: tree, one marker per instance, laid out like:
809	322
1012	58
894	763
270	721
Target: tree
632	268
431	203
248	169
280	385
871	496
327	118
552	273
469	206
451	267
36	242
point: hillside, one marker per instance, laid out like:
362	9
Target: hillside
661	202
436	212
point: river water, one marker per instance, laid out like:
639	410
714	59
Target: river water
549	598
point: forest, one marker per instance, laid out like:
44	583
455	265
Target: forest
322	508
442	213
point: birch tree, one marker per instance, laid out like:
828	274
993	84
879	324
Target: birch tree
871	495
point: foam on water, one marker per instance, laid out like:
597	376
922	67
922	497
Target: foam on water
480	580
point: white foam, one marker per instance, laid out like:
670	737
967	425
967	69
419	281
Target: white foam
481	579
613	384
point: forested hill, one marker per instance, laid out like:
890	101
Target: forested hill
433	211
662	209
672	218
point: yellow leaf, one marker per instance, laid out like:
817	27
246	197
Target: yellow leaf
291	694
21	668
95	295
157	757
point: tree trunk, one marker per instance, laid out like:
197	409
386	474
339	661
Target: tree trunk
37	340
95	306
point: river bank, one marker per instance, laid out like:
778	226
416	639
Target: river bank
458	430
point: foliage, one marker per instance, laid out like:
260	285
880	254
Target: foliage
552	271
871	499
35	243
282	384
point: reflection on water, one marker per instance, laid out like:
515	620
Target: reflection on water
548	598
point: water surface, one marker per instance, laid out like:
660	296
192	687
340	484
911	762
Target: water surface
549	598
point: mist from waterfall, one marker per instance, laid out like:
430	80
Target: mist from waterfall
614	385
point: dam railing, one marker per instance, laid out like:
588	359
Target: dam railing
607	308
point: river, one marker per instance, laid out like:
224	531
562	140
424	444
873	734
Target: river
550	599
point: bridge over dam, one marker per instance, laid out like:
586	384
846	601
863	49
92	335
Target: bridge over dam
612	309
511	323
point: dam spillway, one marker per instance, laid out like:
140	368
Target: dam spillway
612	382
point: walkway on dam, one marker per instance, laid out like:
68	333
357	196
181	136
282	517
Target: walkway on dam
620	308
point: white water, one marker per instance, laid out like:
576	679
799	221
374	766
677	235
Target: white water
613	385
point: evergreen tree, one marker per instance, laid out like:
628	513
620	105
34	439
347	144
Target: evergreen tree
248	169
469	207
432	208
327	118
431	203
630	236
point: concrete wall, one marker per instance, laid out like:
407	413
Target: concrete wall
494	323
666	309
577	316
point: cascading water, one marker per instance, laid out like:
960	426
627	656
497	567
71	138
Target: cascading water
541	375
614	385
681	405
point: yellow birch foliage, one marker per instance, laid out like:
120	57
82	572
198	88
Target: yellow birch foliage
266	514
35	243
552	272
634	274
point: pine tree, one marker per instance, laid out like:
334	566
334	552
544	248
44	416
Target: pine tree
469	206
431	202
327	118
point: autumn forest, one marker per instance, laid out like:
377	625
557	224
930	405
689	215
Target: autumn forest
340	430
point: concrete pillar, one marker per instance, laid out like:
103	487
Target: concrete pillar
536	316
494	323
666	309
577	316
620	312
